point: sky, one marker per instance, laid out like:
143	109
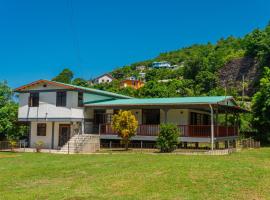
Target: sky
39	38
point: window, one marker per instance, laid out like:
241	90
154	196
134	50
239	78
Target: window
199	119
61	99
151	116
80	99
33	99
41	129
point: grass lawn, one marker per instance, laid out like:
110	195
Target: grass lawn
243	175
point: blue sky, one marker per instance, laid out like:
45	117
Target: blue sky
38	38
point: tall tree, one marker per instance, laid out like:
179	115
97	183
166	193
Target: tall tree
65	76
261	108
9	125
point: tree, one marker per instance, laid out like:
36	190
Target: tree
65	76
9	126
125	124
206	81
168	138
261	108
5	93
80	82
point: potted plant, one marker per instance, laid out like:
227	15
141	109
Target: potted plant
39	145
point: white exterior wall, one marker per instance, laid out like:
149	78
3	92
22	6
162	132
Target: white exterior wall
104	79
47	106
48	138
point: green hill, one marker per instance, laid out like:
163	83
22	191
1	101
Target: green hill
232	63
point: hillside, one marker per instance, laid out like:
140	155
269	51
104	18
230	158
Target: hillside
204	69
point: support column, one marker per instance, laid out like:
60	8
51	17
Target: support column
52	145
217	123
82	126
165	115
226	122
212	127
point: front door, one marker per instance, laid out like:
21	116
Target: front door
64	134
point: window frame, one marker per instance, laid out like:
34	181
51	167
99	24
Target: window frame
62	102
41	129
80	99
33	100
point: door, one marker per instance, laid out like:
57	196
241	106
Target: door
64	134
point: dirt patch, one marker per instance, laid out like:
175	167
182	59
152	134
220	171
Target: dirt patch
8	156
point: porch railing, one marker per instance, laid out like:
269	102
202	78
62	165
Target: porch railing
184	130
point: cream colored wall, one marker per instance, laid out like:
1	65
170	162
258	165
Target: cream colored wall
48	138
138	114
47	106
175	116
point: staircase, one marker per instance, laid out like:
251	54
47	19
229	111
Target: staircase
81	143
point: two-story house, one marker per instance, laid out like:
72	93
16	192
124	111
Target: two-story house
56	111
60	113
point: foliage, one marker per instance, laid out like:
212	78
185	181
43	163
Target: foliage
65	76
80	82
12	144
206	81
39	145
261	107
5	93
9	126
125	124
168	138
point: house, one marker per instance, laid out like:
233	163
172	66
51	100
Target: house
65	116
140	68
142	75
162	64
105	78
135	84
56	113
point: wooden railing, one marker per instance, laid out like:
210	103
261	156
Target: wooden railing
184	130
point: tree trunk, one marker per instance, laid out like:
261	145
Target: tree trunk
126	145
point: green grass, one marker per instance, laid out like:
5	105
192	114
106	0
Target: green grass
243	175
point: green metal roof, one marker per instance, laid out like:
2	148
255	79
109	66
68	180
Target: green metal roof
165	101
101	92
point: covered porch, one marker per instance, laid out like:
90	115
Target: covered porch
198	119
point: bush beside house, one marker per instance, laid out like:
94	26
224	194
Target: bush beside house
168	138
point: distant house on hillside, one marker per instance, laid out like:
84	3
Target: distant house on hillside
140	68
105	78
135	84
142	75
162	64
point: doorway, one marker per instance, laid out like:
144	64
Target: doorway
64	134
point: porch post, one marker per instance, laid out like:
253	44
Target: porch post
217	123
212	127
52	144
166	115
82	126
226	121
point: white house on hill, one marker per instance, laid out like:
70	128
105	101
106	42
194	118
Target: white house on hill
105	78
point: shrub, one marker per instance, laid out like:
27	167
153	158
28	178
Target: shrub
168	138
39	145
125	124
13	144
